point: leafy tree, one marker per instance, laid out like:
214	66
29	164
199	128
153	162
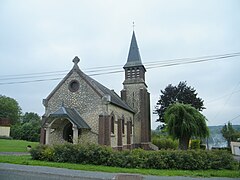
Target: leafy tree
229	133
9	108
182	94
30	117
184	122
28	129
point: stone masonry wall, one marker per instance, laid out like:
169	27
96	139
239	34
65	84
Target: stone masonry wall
133	99
85	100
88	137
119	113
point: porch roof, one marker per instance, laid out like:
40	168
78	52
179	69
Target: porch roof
72	115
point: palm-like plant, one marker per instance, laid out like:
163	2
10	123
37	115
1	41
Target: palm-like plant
183	122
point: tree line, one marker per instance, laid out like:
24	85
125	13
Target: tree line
25	126
179	110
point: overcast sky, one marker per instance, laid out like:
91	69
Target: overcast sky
45	35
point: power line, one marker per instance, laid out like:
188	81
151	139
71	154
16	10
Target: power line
33	76
30	81
44	74
27	74
93	69
221	97
170	62
235	117
54	79
113	69
194	61
228	98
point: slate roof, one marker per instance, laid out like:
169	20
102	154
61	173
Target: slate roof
134	58
115	99
72	115
99	88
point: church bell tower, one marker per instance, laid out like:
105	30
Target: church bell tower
136	95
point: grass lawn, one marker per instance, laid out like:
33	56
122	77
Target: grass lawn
26	160
15	145
20	146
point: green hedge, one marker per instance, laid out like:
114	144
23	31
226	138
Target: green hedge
165	143
195	144
137	158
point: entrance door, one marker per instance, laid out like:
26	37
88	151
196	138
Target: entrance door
68	133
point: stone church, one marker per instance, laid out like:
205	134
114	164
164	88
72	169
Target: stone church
81	110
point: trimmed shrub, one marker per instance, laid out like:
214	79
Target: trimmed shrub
195	144
165	143
137	158
37	153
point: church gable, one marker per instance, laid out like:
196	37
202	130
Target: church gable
76	83
76	93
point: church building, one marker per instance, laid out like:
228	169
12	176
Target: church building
82	110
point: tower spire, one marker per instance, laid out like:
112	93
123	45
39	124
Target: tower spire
134	58
136	95
134	69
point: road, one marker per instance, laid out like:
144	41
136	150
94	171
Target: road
24	172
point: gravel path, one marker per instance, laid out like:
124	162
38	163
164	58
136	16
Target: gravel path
14	153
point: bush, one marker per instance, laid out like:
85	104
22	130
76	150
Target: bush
37	153
195	144
137	158
26	131
165	143
203	146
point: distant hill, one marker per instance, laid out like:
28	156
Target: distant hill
216	139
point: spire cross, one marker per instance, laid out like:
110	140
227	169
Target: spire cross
133	25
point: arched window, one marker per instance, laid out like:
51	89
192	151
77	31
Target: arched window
131	126
112	125
123	126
